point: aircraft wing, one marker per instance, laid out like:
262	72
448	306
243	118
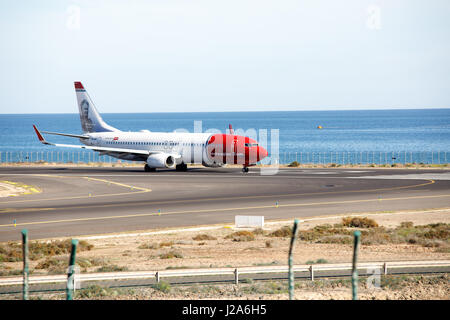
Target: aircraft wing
67	135
99	149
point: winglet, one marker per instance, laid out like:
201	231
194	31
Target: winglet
231	129
40	137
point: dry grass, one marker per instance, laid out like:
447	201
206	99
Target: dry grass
166	244
148	246
12	251
359	222
258	231
282	232
431	235
394	241
203	236
171	254
239	236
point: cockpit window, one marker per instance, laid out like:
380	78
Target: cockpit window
251	144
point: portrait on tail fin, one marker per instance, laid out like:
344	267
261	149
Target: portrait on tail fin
86	122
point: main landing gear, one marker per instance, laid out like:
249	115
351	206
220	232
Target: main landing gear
245	169
147	168
181	167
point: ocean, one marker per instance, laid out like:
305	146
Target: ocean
356	136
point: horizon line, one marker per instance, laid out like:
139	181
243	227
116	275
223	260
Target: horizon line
303	110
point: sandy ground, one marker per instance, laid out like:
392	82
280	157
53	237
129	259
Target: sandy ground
126	250
225	252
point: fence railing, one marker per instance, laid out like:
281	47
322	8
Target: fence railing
285	157
56	157
365	157
313	269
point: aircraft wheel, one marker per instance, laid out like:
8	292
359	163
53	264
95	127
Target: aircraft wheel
245	169
149	169
181	167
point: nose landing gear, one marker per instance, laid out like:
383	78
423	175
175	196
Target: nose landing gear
245	169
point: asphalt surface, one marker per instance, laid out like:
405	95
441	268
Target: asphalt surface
84	201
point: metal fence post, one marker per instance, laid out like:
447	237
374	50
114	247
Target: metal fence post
157	277
290	260
236	276
385	268
311	271
357	236
71	273
25	263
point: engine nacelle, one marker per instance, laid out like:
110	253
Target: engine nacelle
161	160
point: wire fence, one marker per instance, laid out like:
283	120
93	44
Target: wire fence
365	157
327	157
56	157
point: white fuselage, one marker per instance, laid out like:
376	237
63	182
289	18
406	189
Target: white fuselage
191	146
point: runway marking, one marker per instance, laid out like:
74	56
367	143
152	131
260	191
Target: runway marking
16	210
222	210
142	190
119	184
206	199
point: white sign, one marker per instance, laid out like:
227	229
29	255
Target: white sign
249	221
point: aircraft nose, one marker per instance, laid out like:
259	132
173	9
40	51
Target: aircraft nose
262	153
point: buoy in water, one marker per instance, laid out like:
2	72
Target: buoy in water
319	127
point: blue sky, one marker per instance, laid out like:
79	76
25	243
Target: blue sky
233	55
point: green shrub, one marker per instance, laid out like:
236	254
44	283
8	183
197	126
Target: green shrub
294	164
162	286
94	291
318	261
111	268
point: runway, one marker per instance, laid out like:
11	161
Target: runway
82	201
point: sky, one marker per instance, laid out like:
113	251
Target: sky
224	55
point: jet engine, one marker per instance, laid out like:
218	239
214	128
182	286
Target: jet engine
161	160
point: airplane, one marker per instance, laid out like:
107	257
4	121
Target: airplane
158	149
